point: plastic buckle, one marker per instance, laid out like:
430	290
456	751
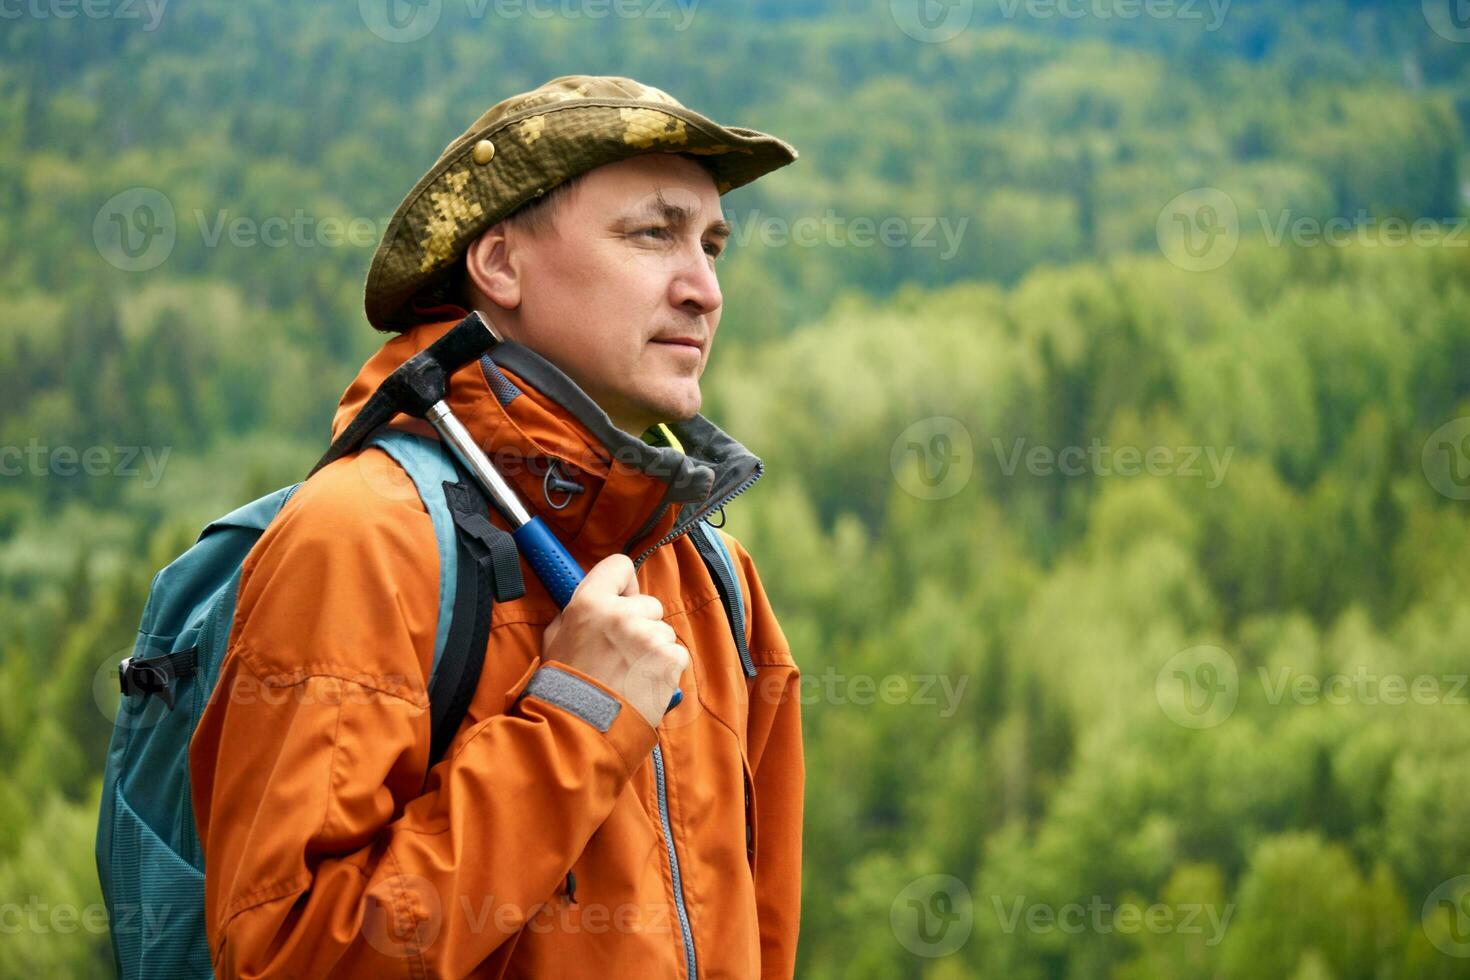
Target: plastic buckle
146	677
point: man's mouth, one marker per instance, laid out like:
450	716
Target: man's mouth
681	344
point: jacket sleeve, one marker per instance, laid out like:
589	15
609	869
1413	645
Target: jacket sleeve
778	768
327	852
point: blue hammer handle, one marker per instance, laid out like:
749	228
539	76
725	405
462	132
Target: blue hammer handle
556	568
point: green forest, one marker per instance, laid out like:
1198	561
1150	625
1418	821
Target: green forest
1117	496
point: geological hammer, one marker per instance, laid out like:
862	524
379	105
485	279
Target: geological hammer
419	387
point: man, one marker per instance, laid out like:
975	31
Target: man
575	827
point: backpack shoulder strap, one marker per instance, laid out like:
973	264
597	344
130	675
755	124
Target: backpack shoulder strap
721	567
478	564
488	568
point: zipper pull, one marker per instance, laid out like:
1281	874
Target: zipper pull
571	886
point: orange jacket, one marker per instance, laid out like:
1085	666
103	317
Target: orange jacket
330	851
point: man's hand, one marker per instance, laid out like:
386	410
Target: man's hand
613	633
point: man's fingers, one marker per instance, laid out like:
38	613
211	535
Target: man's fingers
645	607
679	660
614	575
645	635
658	634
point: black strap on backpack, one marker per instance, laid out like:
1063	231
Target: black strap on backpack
489	569
489	563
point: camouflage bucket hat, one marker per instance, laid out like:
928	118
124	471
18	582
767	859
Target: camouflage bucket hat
522	147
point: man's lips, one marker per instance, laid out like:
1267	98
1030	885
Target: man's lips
682	341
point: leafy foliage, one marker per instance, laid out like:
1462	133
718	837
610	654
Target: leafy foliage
1299	525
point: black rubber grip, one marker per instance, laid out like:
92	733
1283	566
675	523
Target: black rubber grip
415	384
465	342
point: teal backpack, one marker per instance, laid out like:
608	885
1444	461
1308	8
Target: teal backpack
148	852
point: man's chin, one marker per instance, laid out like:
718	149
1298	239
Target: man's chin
672	407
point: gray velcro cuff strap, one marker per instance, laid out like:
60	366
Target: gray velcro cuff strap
567	691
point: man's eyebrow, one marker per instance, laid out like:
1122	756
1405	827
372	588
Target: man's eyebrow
679	214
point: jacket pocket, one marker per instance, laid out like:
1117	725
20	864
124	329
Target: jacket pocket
750	833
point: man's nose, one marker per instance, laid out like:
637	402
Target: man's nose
696	287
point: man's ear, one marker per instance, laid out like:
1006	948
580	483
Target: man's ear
491	267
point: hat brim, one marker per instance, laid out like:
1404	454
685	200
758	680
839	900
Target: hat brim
535	150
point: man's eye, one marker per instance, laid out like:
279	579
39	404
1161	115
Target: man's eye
657	231
712	250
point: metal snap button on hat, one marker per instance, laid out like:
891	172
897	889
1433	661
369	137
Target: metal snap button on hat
484	152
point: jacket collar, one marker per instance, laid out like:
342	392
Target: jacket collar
601	489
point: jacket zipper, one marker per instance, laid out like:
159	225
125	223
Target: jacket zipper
690	965
676	531
663	815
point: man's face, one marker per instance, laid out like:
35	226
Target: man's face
627	269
